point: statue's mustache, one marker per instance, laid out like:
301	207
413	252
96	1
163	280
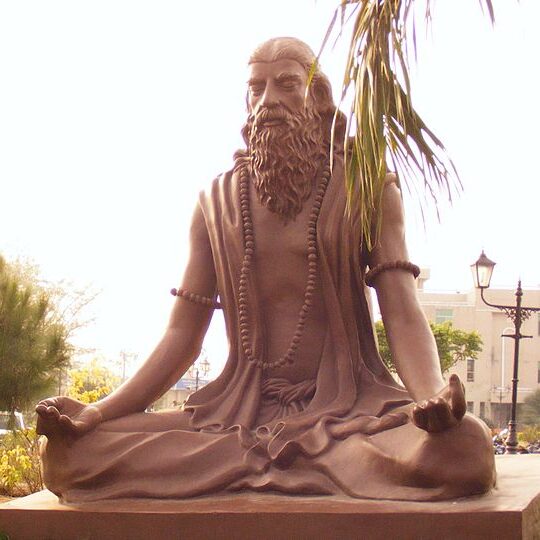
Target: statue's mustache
266	116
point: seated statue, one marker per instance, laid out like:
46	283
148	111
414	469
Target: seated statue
304	404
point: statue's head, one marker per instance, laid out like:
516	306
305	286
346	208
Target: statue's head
291	56
287	132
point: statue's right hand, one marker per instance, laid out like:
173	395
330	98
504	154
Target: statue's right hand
66	416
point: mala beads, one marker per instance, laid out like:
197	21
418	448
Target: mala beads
249	247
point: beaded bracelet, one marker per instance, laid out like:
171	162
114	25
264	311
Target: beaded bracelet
393	265
196	298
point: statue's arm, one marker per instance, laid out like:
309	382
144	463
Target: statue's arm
409	337
414	351
177	350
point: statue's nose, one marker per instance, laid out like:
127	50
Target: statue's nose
269	98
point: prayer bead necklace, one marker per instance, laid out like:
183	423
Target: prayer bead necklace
249	249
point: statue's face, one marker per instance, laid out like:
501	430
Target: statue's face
282	82
283	134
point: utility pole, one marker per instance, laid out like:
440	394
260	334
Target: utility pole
126	357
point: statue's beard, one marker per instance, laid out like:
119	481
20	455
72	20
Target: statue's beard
284	158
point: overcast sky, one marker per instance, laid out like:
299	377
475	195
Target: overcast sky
114	114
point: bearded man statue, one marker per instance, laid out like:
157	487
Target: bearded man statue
285	150
304	404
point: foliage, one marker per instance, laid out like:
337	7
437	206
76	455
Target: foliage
382	122
529	435
20	472
453	345
68	301
37	320
530	410
92	382
33	345
384	348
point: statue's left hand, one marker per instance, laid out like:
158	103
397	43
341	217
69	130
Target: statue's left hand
444	410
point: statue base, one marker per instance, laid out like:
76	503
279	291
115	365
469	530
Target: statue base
511	510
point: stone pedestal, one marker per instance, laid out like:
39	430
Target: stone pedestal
512	510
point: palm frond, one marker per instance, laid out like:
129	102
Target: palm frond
383	126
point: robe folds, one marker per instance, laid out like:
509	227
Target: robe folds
234	434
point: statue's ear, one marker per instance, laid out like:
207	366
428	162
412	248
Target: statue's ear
322	94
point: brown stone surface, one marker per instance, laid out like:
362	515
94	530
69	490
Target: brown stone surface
304	404
512	510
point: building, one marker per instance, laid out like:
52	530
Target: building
488	380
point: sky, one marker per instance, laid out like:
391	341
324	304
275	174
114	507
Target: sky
114	114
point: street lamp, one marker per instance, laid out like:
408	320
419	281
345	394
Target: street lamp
201	365
482	270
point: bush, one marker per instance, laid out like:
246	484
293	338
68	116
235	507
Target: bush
92	382
20	472
530	434
529	413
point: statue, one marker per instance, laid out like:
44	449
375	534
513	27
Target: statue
304	404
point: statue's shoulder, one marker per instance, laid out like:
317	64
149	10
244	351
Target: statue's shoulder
392	179
392	200
220	187
392	190
221	182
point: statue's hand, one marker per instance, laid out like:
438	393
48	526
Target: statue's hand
444	410
66	416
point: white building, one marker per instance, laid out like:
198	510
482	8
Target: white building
488	380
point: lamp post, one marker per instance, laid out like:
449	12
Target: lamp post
482	270
201	364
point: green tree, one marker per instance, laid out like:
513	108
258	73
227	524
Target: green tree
37	320
33	346
92	382
530	410
453	345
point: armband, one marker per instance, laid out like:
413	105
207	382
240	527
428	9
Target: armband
393	265
196	298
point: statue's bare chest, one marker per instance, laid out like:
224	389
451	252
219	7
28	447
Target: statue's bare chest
274	238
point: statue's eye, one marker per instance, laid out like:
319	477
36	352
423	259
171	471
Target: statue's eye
256	89
288	84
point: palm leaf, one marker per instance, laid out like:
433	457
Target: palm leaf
383	125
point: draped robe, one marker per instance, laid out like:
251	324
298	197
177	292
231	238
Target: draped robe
231	436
